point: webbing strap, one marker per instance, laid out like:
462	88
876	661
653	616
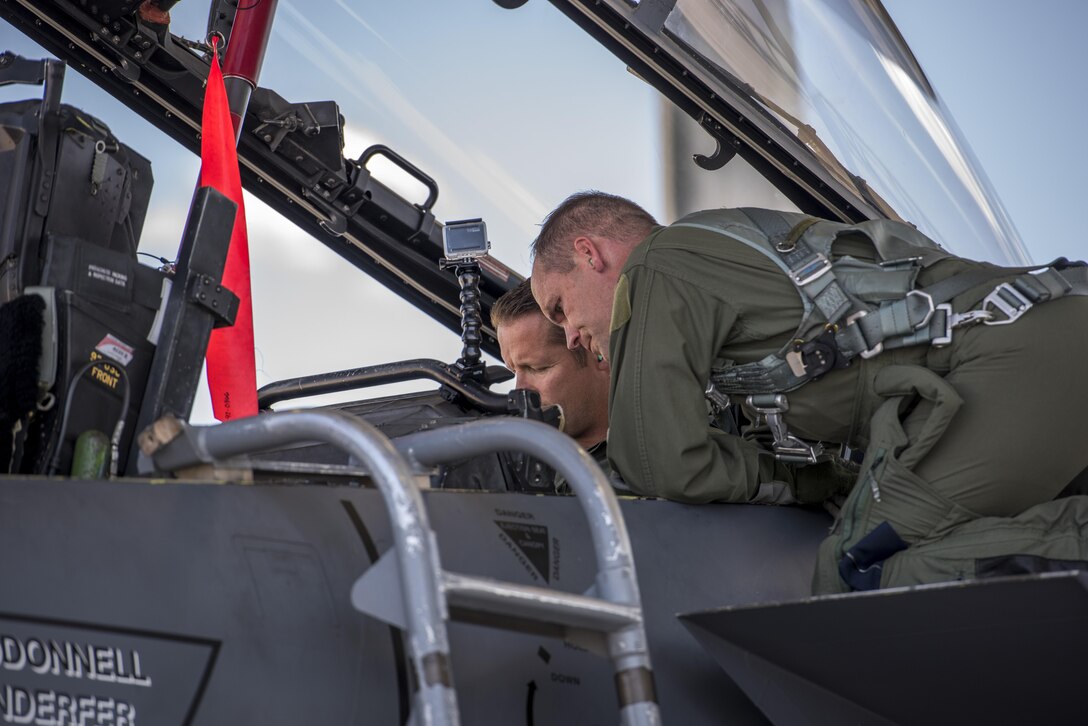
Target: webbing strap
1053	281
922	316
809	268
1046	285
916	318
868	334
774	374
909	320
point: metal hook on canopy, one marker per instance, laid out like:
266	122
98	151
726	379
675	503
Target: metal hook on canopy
717	160
721	156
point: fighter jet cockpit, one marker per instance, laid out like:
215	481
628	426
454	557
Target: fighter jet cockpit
397	164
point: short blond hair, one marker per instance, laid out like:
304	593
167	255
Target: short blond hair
589	213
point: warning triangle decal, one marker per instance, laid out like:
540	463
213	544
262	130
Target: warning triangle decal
532	540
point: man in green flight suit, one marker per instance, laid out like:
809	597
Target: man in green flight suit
963	382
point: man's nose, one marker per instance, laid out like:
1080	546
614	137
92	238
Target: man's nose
574	339
520	382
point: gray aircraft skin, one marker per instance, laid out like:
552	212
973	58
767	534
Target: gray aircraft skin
386	561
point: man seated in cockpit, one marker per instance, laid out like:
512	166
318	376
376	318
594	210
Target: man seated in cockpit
536	351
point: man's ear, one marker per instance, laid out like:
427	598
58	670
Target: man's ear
587	252
601	365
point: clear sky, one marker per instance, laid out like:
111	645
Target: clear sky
512	110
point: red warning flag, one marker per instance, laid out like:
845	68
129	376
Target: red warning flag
232	375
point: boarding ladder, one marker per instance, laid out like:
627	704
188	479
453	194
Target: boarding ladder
429	594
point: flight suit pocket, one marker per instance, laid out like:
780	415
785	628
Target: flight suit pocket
910	505
891	507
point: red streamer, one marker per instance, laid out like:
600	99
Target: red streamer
232	375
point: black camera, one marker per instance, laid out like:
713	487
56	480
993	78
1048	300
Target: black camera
465	238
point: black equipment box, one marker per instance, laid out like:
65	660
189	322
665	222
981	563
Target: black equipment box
72	205
64	174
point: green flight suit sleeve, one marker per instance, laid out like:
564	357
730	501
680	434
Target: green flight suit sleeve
661	350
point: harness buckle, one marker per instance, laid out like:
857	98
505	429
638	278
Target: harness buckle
928	299
1010	301
956	320
718	401
811	270
946	338
786	446
876	349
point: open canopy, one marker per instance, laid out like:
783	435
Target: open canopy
827	96
822	97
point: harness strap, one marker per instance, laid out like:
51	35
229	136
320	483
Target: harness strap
921	317
927	311
854	327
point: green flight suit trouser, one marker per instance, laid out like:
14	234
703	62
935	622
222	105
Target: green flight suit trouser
962	469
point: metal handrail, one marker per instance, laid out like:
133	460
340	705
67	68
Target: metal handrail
417	558
616	579
543	604
616	612
377	375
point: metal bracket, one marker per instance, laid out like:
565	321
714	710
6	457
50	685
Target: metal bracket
378	591
1009	301
308	135
221	20
425	226
721	156
786	446
955	320
876	349
930	307
718	401
117	41
812	270
218	300
16	69
274	130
